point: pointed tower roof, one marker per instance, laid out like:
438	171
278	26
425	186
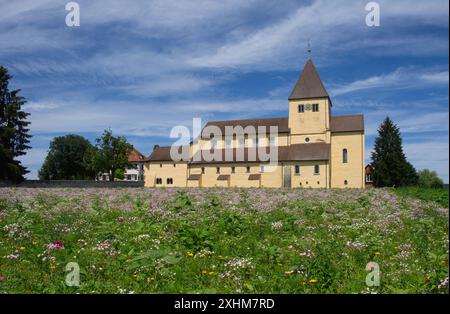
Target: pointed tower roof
309	84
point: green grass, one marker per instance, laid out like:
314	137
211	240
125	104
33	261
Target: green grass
439	196
221	241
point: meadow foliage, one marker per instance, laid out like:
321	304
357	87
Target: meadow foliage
221	241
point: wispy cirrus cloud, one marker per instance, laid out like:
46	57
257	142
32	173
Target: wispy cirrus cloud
402	78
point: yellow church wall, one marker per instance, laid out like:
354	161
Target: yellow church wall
309	122
272	177
165	170
353	170
307	177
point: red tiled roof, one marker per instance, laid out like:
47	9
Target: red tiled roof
135	156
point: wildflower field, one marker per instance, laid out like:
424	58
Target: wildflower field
221	241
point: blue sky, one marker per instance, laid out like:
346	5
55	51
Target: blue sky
142	67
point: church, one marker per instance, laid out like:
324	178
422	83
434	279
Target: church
314	148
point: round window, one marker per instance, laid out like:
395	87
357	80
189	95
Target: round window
307	139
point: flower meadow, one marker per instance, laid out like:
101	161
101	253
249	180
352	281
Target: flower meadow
221	241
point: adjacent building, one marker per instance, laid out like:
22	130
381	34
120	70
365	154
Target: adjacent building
133	173
136	171
315	148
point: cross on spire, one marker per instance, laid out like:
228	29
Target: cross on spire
309	48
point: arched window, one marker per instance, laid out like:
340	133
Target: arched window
316	169
344	155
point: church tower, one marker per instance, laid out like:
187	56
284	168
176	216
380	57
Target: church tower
309	108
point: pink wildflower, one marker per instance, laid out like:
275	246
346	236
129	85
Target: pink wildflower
2	278
55	245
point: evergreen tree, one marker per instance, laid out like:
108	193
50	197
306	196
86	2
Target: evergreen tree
388	160
67	159
14	137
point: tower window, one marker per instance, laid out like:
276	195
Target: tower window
169	181
345	182
316	169
344	156
203	170
233	169
315	107
301	108
297	170
261	169
248	169
158	181
218	170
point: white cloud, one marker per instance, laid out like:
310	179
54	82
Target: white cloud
36	106
407	121
430	154
400	78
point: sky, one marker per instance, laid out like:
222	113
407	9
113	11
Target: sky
142	67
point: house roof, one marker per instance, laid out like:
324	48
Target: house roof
135	156
309	84
350	123
162	153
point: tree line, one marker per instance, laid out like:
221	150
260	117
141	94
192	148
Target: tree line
73	157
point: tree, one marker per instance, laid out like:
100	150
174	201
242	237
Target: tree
388	160
67	159
429	179
110	153
119	174
14	137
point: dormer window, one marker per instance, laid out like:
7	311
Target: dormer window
301	108
315	107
